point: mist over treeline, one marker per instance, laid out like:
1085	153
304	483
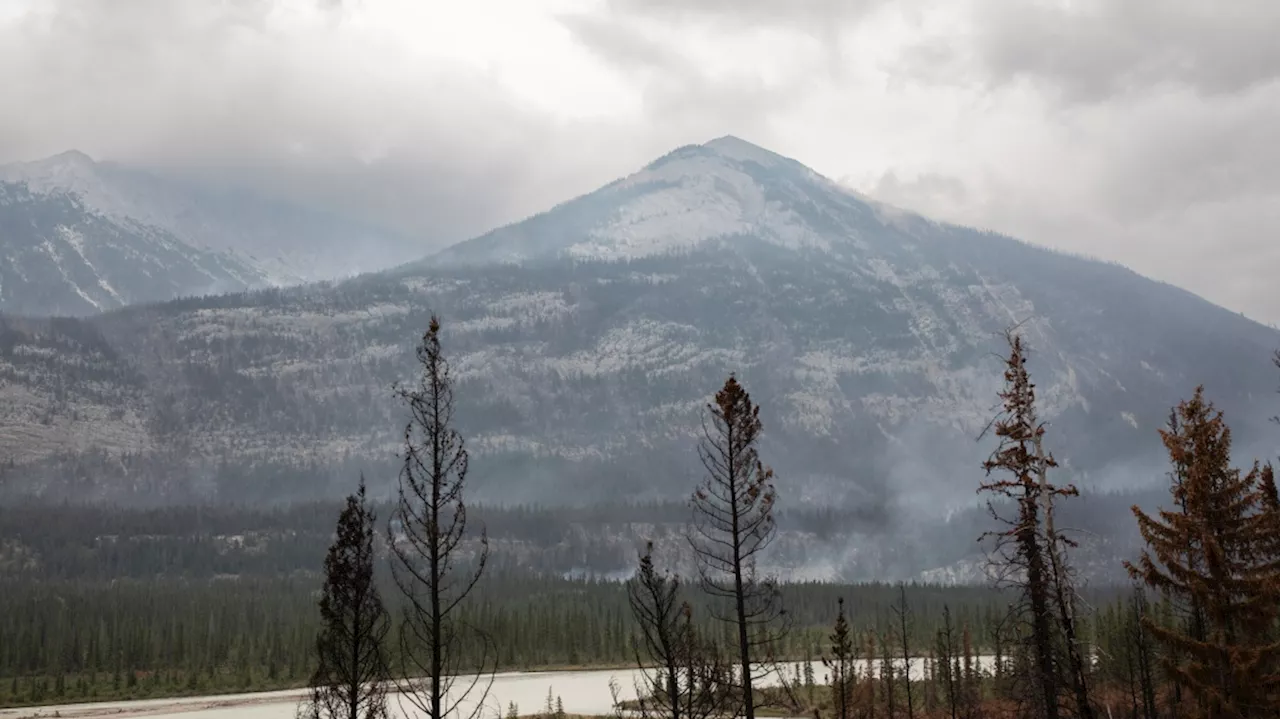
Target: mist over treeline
62	539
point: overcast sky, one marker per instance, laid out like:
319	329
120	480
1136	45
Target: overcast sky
1142	131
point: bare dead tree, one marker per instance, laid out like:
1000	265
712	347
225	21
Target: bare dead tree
429	550
948	664
732	525
687	679
1061	574
902	610
351	674
868	694
1275	359
969	687
1142	655
888	675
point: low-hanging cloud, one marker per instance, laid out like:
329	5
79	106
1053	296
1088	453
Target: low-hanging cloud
1135	131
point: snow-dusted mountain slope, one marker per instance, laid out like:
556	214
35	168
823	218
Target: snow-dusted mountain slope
699	193
587	340
287	242
59	258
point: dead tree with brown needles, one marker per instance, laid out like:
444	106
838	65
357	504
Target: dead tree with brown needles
428	551
732	525
1213	553
1030	553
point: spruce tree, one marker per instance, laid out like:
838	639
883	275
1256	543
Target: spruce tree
684	682
1212	553
350	677
733	523
841	665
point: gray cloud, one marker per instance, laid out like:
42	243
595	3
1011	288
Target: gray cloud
1137	131
808	14
211	90
677	94
1096	51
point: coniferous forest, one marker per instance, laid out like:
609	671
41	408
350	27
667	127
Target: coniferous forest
105	602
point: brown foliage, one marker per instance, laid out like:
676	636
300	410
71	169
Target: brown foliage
1030	553
1214	554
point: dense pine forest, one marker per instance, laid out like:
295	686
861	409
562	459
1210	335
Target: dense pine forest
105	602
139	603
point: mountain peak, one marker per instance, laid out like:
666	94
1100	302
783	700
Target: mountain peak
71	170
71	156
736	148
725	189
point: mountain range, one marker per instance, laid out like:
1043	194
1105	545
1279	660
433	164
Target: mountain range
61	259
587	340
80	236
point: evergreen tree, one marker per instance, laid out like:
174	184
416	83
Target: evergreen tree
685	683
349	680
432	526
1213	552
733	524
841	665
948	665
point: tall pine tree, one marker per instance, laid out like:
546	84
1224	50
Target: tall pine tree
733	523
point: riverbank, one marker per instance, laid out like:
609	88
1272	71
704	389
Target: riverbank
582	693
139	693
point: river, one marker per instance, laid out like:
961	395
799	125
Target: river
583	692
